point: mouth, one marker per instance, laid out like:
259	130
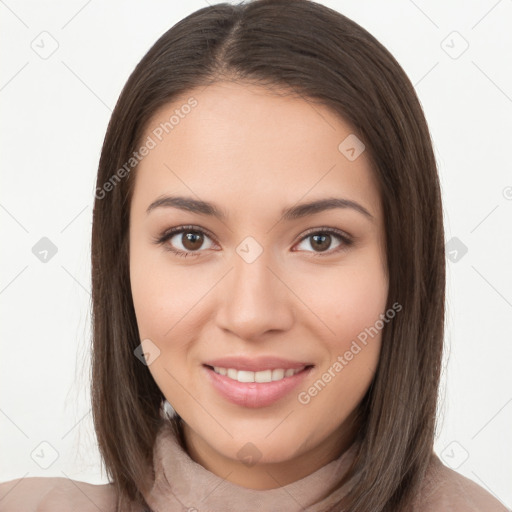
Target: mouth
260	377
251	389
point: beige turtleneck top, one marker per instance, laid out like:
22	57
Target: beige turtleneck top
183	485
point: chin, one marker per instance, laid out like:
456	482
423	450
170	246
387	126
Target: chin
253	450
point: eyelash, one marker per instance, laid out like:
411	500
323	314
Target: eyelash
167	235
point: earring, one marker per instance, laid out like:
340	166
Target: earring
167	411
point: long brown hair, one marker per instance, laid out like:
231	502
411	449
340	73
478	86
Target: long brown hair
322	56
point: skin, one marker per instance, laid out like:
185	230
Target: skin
254	153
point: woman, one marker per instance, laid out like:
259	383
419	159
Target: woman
268	278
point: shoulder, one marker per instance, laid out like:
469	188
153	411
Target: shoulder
445	489
55	494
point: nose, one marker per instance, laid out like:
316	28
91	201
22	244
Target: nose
254	298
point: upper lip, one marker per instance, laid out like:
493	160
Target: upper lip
256	364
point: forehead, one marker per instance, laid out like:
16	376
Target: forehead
246	146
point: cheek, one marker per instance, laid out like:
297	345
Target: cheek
360	304
359	325
345	302
352	309
349	302
162	298
148	296
162	293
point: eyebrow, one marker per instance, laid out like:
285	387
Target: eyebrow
291	213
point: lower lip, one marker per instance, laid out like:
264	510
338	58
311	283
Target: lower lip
255	394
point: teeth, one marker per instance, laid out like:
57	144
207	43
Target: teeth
278	374
262	376
244	376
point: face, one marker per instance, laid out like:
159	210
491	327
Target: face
240	279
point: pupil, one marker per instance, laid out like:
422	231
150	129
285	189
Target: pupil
192	241
323	238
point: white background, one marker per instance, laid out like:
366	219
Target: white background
54	116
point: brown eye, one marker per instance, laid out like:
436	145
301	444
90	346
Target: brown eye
321	242
192	240
185	241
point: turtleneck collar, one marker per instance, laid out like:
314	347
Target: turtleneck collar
183	484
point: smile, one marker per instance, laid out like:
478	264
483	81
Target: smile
261	376
251	389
